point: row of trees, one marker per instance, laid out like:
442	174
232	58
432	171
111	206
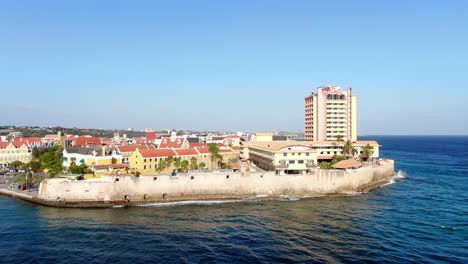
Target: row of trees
179	164
184	165
349	150
45	159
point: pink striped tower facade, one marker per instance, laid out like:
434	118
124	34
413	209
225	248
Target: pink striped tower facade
331	113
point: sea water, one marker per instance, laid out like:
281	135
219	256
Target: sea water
420	216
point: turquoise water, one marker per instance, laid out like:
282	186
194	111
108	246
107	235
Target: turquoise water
421	218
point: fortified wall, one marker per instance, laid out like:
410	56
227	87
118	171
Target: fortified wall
160	188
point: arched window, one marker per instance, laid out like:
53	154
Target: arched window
329	97
342	97
336	97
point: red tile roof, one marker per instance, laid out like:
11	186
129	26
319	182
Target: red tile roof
203	150
84	141
186	152
19	144
199	145
174	143
30	142
4	145
151	136
132	148
157	153
141	140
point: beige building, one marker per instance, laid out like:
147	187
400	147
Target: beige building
330	113
10	152
283	157
262	137
327	149
298	156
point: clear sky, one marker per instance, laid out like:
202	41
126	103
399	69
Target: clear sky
233	65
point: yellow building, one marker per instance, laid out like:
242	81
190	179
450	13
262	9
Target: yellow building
90	156
147	161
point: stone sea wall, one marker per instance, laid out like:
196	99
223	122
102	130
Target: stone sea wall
160	188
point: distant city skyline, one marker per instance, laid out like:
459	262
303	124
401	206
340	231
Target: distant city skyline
233	66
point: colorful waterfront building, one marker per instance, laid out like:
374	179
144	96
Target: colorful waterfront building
90	156
14	151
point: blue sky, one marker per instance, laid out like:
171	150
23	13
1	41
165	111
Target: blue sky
233	65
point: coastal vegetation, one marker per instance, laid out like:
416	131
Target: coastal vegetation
45	163
367	152
349	150
329	165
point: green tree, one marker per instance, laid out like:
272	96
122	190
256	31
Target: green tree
367	152
33	165
326	165
214	151
184	165
162	165
349	150
51	159
178	163
169	161
202	165
75	169
35	153
193	163
16	164
337	158
339	138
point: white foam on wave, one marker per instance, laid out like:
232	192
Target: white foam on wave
352	193
390	182
289	198
210	202
399	175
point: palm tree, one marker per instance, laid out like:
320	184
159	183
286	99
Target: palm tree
184	165
214	151
348	149
202	165
161	166
178	163
339	138
169	161
367	152
193	163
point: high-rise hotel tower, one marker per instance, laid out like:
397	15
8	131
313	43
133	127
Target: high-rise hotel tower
330	113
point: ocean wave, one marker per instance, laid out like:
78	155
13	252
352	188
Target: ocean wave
289	198
398	176
208	202
352	193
